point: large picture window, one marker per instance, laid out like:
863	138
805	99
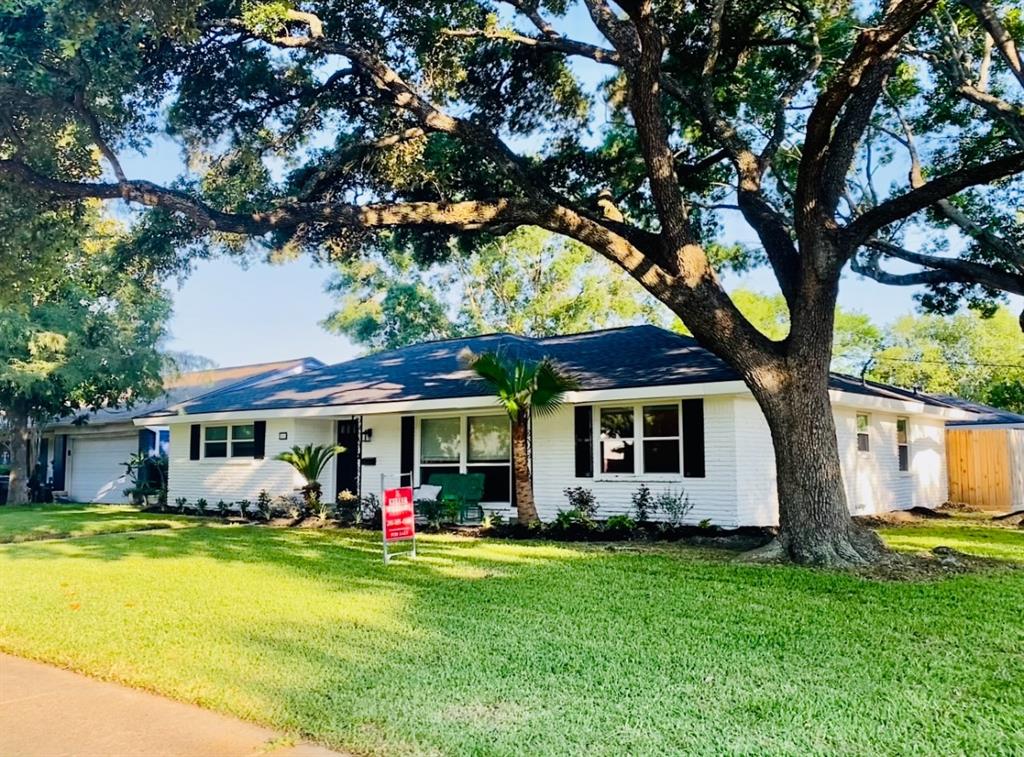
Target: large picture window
487	449
239	440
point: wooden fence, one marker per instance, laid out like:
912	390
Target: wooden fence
985	467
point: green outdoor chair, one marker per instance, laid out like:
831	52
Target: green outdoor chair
465	489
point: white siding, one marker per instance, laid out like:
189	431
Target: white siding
738	489
242	478
874	484
757	500
385	446
713	497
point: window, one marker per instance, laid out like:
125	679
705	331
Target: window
488	450
439	440
440	446
661	438
642	439
863	437
239	440
617	440
903	443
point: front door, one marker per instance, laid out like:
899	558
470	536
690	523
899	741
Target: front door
348	461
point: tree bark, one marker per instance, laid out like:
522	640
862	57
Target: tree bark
815	527
17	487
526	508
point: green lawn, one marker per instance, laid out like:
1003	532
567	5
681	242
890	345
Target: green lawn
32	522
486	647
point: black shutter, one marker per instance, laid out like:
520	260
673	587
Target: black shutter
693	438
193	442
408	449
259	440
584	441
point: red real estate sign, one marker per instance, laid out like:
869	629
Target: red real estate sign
399	517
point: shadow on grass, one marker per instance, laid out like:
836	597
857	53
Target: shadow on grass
487	647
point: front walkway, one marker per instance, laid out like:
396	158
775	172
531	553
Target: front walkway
48	712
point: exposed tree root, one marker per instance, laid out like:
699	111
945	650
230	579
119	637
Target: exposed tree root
857	547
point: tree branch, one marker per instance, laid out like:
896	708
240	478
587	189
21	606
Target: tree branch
1001	37
927	194
952	269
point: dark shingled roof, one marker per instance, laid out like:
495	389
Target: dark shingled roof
633	356
189	386
987	414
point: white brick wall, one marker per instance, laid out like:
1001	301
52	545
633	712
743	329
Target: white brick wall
874	484
243	478
738	489
713	497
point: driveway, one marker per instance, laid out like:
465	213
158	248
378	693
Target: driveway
49	712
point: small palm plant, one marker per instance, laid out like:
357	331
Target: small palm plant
310	462
523	387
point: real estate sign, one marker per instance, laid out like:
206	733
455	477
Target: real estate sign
398	517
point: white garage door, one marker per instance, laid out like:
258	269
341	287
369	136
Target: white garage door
96	472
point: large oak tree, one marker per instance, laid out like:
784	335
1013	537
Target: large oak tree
845	135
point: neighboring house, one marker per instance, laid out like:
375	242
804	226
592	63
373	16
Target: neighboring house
85	455
653	408
986	457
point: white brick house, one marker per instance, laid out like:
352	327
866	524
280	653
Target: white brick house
653	408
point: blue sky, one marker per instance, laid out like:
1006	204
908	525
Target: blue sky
234	315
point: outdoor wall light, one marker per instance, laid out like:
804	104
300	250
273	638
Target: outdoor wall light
367	434
282	435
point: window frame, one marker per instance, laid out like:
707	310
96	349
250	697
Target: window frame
640	472
229	441
905	444
866	433
464	465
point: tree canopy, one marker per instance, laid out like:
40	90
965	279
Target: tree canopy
80	326
528	282
885	138
963	355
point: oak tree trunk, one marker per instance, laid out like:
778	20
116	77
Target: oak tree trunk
815	527
17	488
525	507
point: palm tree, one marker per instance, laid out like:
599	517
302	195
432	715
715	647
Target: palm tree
523	387
310	461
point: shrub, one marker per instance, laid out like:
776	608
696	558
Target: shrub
644	505
492	521
182	503
201	505
369	512
263	504
438	512
223	508
348	507
706	524
243	507
619	524
675	505
582	500
290	505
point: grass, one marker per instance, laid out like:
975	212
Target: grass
34	522
486	647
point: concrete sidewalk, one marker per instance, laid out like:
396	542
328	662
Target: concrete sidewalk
48	712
